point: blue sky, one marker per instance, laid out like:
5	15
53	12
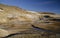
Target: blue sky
35	5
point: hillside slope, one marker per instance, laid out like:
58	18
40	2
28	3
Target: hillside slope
14	19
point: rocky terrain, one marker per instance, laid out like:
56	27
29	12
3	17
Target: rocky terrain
14	20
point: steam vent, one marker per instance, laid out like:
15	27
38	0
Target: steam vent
16	22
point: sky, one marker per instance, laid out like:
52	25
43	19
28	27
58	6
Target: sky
35	5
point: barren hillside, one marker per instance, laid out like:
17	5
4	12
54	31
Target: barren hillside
14	19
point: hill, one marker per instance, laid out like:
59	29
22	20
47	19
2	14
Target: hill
14	19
